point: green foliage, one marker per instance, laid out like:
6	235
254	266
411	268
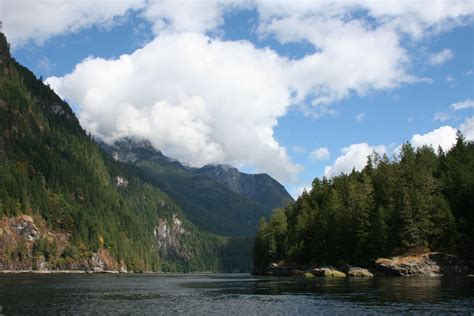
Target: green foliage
422	200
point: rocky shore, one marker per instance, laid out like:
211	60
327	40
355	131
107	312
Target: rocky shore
431	264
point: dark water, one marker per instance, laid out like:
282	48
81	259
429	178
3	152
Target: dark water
231	294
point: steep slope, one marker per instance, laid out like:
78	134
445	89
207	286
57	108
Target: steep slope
65	204
258	187
210	199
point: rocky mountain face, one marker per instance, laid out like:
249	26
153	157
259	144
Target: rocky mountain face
218	198
258	187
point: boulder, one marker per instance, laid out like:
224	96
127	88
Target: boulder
356	271
327	272
426	264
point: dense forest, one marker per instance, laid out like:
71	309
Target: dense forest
421	200
52	171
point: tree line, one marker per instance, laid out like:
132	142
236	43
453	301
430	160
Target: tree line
421	200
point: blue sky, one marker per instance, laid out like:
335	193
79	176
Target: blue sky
258	85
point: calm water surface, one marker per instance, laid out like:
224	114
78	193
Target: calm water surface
231	294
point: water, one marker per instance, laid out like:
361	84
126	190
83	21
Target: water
231	294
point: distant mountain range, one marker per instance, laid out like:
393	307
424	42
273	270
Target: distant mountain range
218	198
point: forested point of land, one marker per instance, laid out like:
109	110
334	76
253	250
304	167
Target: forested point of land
418	201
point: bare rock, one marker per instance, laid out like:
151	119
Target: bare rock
352	271
328	272
427	264
25	227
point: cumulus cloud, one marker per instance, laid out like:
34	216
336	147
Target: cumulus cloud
197	99
353	157
444	136
202	99
467	128
441	57
189	16
25	20
466	104
296	191
319	154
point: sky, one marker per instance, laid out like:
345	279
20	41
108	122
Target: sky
295	89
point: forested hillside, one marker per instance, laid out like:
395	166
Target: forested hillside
217	198
65	204
421	200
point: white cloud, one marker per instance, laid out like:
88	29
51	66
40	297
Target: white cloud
25	20
296	191
467	128
201	16
353	157
197	99
319	154
441	57
204	100
360	117
350	58
444	136
466	104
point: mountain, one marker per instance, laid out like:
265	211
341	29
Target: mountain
260	188
66	204
218	198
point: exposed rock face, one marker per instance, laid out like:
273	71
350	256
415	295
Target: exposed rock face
25	227
427	264
121	181
20	235
168	238
17	238
99	262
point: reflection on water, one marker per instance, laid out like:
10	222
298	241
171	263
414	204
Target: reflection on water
239	294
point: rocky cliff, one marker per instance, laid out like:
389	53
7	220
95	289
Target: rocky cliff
168	236
26	244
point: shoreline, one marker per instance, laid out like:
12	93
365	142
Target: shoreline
107	272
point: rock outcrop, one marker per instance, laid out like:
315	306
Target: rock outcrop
427	264
168	238
356	271
328	272
284	269
23	243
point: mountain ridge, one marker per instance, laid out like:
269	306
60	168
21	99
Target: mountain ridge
207	197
